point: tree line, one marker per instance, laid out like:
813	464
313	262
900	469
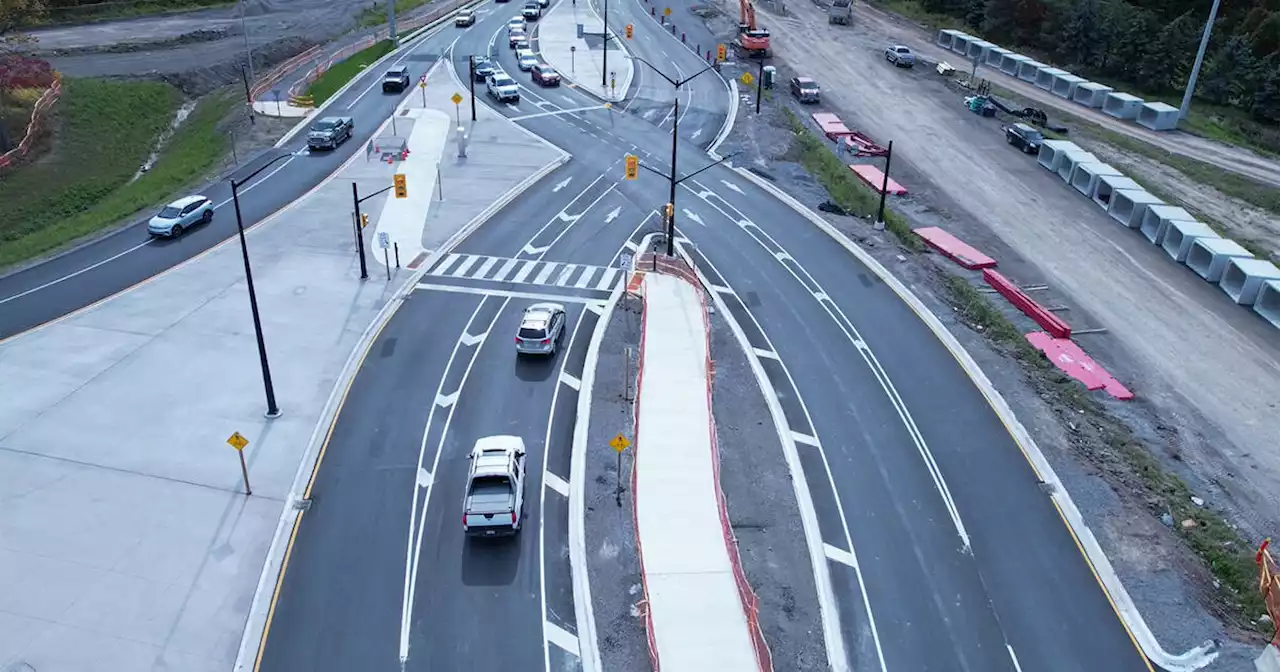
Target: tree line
1147	45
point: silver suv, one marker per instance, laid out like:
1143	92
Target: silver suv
541	329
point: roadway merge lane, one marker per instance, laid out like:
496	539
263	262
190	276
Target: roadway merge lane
63	284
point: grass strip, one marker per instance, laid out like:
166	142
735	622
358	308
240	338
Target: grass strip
1227	556
376	14
845	189
337	76
108	130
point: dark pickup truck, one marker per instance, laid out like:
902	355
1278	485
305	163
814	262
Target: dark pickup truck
330	132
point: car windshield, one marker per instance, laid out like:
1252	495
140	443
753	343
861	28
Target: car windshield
528	332
503	81
325	125
169	212
808	86
528	58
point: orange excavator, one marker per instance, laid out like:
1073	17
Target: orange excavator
753	40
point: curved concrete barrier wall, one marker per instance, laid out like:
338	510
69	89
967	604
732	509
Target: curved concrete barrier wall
1029	70
1084	177
1051	151
1157	218
1091	94
1128	206
1208	257
1107	185
995	56
1070	159
1122	105
1047	75
1268	303
1242	279
1158	116
1064	86
1012	63
1179	236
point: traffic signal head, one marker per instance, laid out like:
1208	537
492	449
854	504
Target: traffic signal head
720	52
632	167
364	219
630	31
402	189
670	210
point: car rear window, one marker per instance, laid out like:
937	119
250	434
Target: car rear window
526	332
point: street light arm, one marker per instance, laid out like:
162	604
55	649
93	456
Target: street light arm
236	183
708	166
656	172
686	80
660	73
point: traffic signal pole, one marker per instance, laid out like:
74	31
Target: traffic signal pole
355	197
472	71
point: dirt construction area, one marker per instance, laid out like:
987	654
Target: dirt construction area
1206	372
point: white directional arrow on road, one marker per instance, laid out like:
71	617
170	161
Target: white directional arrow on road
613	214
424	478
696	134
469	340
731	185
530	249
693	216
565	182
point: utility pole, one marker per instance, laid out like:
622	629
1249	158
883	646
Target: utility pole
391	22
1195	69
248	59
472	70
675	139
884	186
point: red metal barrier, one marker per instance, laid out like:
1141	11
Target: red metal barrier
831	125
953	248
1071	360
1042	316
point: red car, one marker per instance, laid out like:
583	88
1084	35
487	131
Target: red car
545	75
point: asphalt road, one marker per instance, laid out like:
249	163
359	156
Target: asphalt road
87	274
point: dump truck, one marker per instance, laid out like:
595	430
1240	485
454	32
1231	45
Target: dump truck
841	12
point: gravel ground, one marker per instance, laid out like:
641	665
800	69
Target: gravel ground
1169	584
758	490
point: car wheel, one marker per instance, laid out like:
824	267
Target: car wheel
207	216
175	231
1009	138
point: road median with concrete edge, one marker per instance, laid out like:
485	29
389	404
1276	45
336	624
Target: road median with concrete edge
571	56
1188	661
272	570
695	610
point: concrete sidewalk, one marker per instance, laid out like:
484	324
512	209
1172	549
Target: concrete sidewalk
698	612
126	542
581	59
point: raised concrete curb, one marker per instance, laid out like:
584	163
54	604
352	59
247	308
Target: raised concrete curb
728	122
559	60
1189	661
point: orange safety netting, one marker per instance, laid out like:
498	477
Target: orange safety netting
1269	585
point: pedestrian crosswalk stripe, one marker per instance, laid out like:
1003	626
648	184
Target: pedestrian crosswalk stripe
527	271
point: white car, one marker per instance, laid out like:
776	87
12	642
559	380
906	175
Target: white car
179	215
493	504
515	24
503	88
526	59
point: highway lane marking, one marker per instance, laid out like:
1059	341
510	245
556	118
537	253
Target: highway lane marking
424	478
800	437
446	400
721	289
1014	657
561	637
68	276
767	354
555	112
851	332
506	293
840	555
570	380
556	483
833	636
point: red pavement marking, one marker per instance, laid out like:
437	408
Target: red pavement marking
874	177
417	261
1073	361
1043	317
954	248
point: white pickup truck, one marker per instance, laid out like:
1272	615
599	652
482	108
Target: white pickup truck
494	499
503	88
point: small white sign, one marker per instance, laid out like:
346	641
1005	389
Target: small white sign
384	240
625	260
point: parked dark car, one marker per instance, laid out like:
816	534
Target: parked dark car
396	79
806	90
545	75
1024	138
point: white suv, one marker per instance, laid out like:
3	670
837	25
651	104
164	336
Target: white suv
503	88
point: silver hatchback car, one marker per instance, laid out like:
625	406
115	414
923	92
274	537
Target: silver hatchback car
180	215
541	329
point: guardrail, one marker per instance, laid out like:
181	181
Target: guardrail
46	101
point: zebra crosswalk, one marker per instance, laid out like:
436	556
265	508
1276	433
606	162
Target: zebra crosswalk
528	272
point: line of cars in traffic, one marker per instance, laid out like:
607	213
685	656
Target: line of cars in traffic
501	86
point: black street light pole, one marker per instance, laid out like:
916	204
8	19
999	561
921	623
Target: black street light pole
472	69
273	410
675	137
884	186
604	68
355	197
760	86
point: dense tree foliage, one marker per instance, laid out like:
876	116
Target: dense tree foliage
1146	44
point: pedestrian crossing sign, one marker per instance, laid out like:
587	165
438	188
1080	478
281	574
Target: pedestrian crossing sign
619	442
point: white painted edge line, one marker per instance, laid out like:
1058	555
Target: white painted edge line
833	637
1188	661
255	622
406	42
556	483
561	637
839	555
584	611
729	120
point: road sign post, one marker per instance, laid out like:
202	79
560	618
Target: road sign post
384	241
237	441
573	49
422	84
619	443
457	105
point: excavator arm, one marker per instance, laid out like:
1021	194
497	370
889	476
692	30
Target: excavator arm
753	39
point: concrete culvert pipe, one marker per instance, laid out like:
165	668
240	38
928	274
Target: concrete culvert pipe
945	36
1122	105
1047	76
1106	185
1051	151
1128	206
1179	236
995	56
960	43
1069	161
1029	70
1208	257
1064	86
1011	64
1091	94
1157	217
1084	177
1242	279
978	50
1268	303
1158	116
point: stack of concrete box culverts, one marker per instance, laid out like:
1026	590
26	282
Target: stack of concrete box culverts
1156	116
1247	281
